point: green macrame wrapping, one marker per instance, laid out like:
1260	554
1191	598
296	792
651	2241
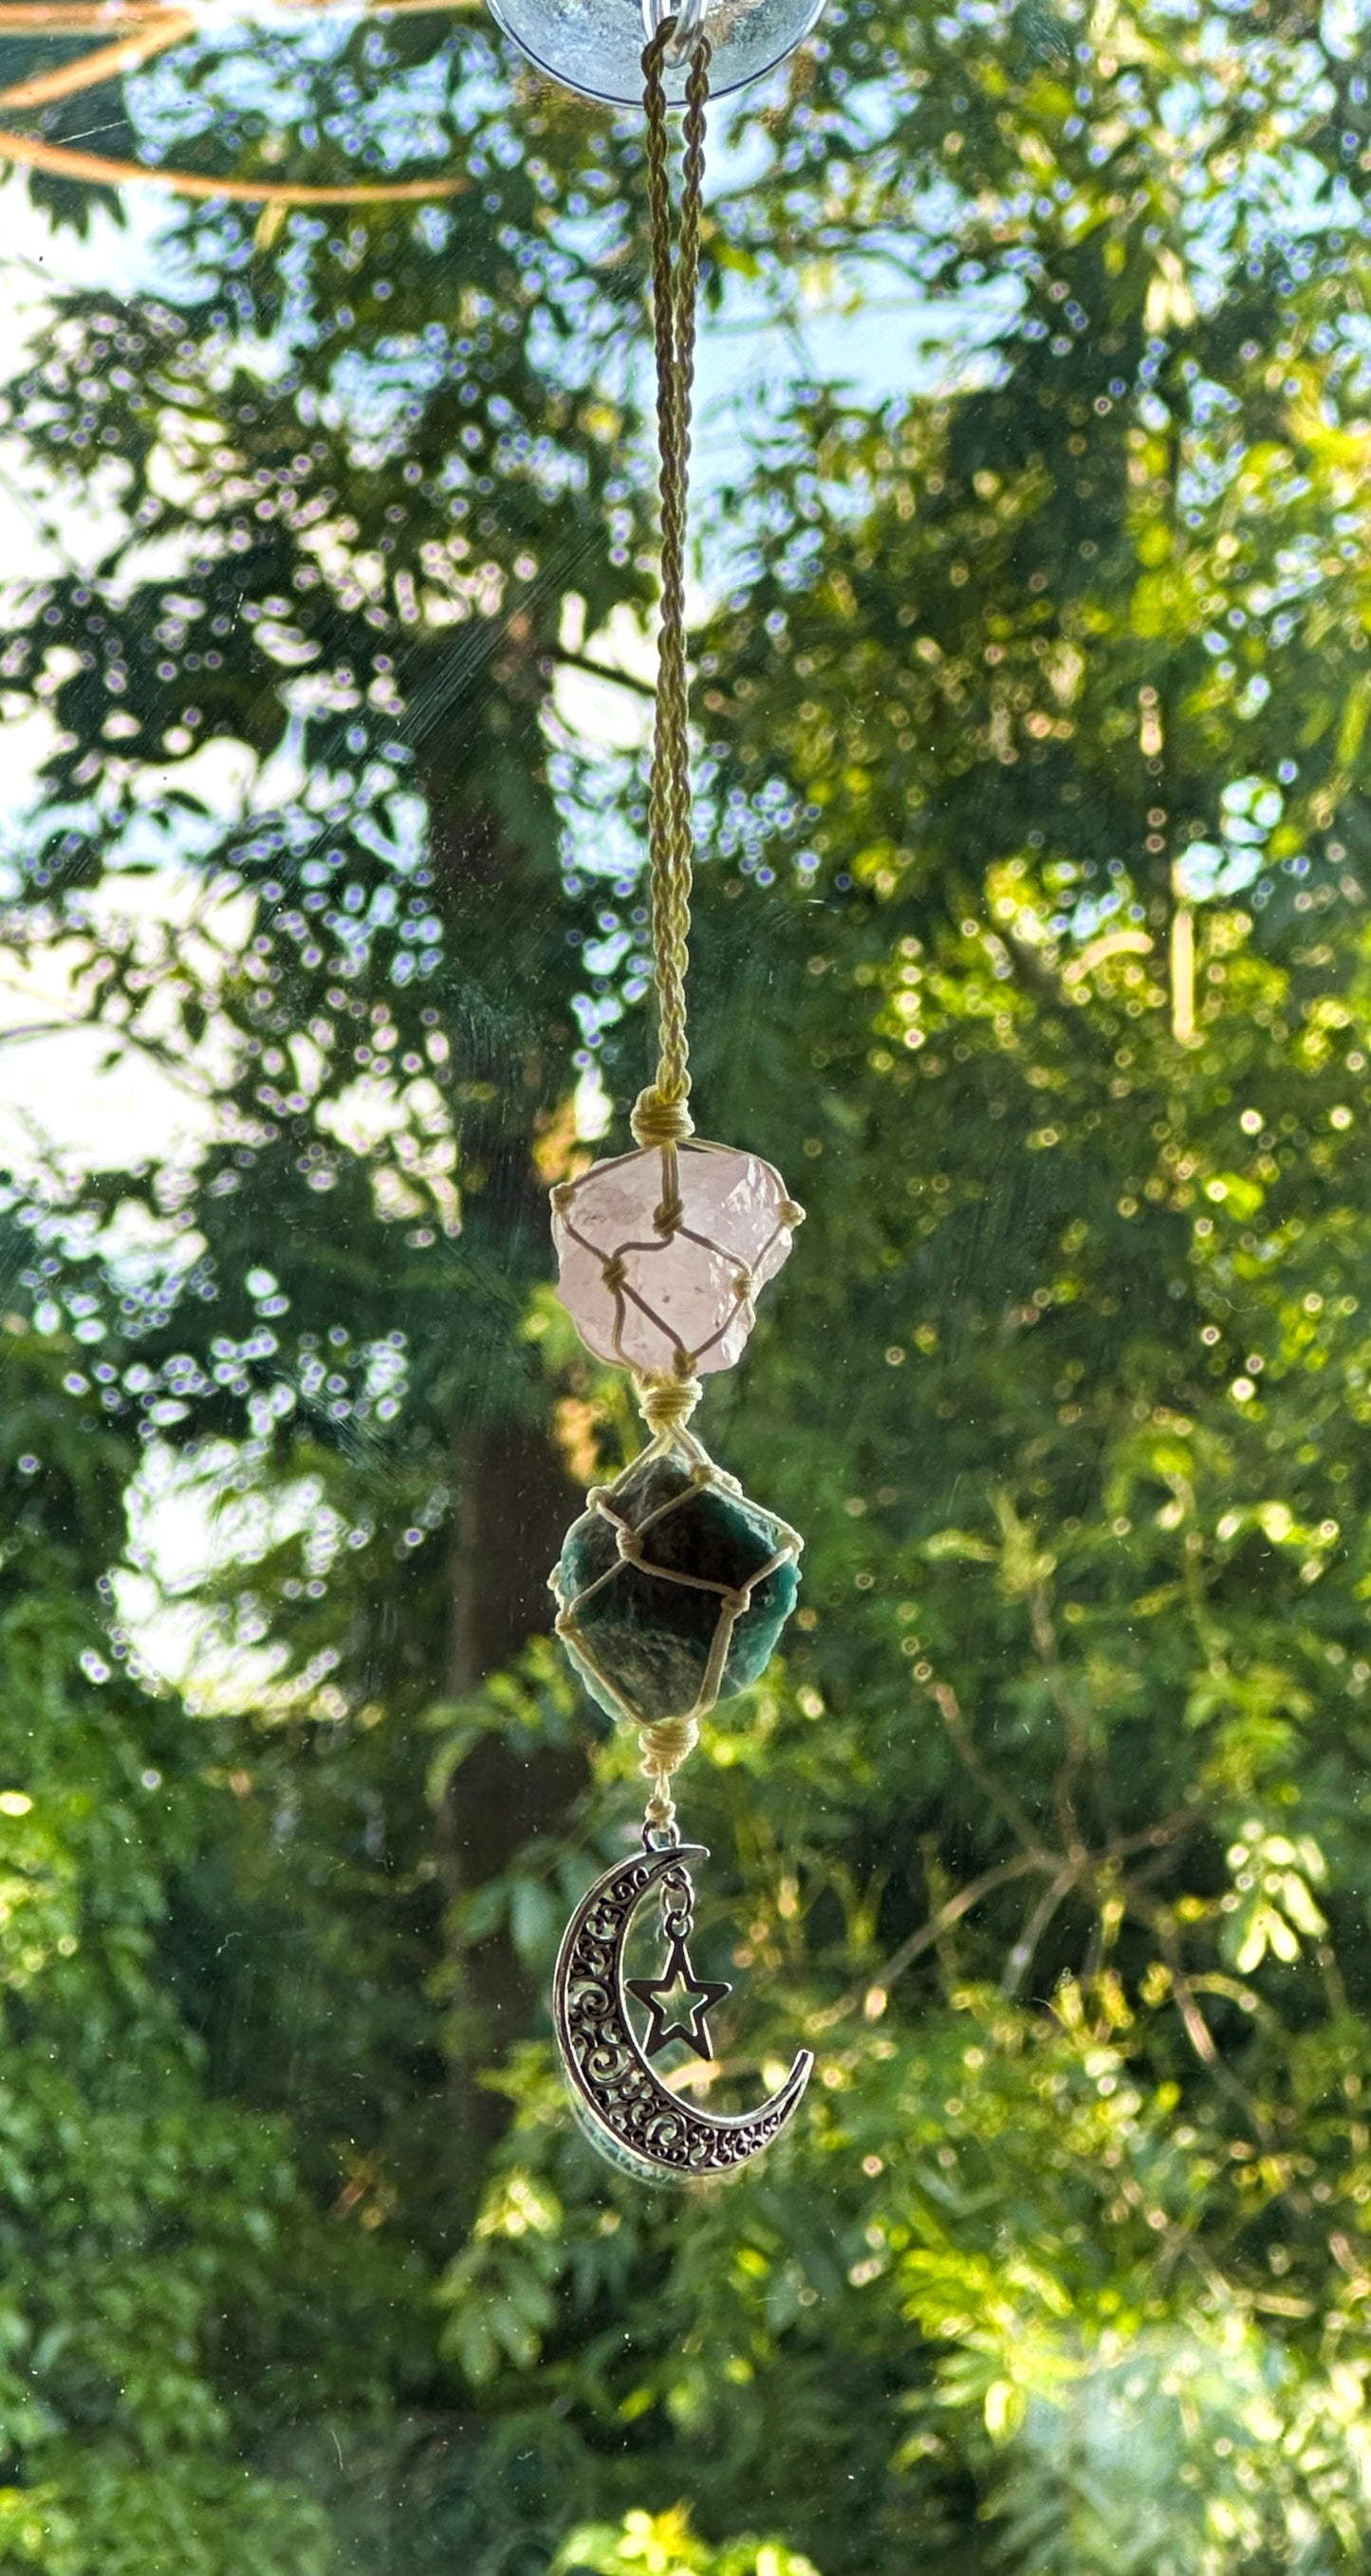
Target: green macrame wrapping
672	1588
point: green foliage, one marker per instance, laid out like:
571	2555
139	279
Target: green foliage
1031	941
663	2544
150	2234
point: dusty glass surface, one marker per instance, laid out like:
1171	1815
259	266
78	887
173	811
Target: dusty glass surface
1030	679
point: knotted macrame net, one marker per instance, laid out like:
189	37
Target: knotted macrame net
672	1590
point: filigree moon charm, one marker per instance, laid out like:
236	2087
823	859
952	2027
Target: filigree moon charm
626	2110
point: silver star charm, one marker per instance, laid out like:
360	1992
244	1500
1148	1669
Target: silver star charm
656	1993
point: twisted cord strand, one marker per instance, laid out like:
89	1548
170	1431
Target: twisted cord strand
661	1116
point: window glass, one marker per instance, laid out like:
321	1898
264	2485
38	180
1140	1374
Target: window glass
1029	610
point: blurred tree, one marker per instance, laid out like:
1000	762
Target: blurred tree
1066	2270
1051	960
353	468
158	2248
663	2544
355	472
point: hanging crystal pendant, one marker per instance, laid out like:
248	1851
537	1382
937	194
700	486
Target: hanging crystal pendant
662	1254
673	1587
595	46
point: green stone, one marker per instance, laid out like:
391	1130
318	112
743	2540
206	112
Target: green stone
651	1637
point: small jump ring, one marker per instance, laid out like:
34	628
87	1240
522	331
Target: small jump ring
689	25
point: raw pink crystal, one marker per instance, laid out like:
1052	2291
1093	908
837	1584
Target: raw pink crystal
658	1299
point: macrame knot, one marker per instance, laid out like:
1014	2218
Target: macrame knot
667	1403
659	1815
665	1747
660	1122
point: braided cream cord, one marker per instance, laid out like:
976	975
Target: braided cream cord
661	1116
666	1745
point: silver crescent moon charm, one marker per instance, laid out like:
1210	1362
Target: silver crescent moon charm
626	2110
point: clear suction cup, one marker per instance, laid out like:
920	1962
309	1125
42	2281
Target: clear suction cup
595	46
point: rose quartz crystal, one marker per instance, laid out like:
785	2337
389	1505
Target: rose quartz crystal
658	1298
